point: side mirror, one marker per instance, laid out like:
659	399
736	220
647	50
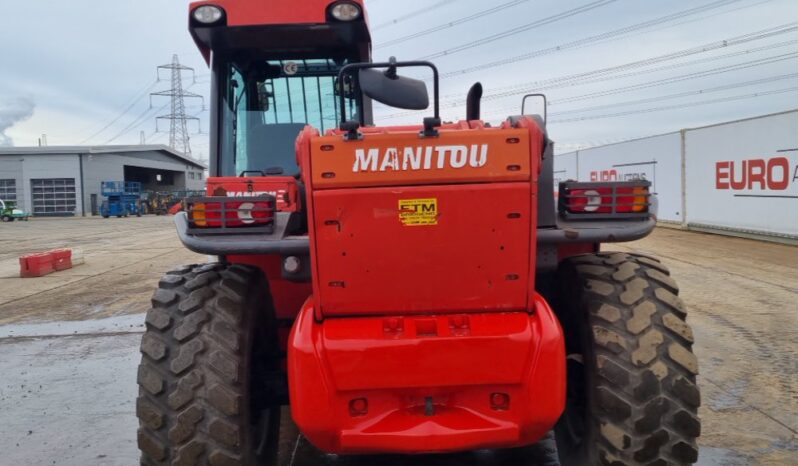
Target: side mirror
395	91
390	89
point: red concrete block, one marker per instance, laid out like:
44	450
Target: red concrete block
36	265
62	259
175	209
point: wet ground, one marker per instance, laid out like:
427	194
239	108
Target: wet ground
69	347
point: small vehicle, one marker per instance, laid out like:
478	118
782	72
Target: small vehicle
405	289
122	198
9	212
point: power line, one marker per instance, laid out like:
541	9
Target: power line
663	81
633	87
517	30
676	107
570	80
140	119
679	95
411	15
139	95
451	24
684	77
564	147
701	49
592	40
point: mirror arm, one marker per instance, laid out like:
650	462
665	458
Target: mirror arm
431	126
545	106
390	73
390	65
351	127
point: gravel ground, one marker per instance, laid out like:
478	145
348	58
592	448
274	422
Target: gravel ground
69	346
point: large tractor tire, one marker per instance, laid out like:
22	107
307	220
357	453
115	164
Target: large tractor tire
632	394
209	344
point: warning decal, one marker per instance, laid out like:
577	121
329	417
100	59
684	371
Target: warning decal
418	212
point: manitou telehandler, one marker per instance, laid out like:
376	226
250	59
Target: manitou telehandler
405	289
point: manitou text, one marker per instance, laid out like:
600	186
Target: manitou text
420	158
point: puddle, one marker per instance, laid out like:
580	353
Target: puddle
120	324
712	456
730	398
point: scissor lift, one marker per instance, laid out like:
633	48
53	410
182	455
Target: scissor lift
122	198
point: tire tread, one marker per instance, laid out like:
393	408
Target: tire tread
645	395
191	383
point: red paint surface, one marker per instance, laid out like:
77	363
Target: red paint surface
773	174
445	312
274	12
477	257
288	297
36	265
336	364
62	259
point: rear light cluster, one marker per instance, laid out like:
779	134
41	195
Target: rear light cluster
610	200
221	214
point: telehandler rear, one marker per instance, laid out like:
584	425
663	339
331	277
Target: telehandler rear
405	289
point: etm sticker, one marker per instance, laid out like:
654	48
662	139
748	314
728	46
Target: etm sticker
418	212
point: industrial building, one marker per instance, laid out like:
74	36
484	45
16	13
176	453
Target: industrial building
65	181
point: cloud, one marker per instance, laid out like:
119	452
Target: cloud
12	111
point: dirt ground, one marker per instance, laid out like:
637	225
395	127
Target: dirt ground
69	346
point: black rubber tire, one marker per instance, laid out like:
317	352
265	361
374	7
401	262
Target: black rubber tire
632	393
8	219
209	328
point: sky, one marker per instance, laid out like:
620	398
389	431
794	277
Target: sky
81	71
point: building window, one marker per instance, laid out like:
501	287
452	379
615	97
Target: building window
54	196
191	175
8	190
199	175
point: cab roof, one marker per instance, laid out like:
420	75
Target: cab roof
282	26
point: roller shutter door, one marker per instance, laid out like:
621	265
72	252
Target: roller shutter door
53	196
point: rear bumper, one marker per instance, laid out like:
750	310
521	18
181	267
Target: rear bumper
426	384
222	245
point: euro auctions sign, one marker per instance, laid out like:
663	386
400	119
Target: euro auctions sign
776	174
743	175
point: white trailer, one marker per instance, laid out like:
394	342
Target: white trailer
739	177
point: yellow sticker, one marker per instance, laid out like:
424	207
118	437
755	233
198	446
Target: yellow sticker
418	212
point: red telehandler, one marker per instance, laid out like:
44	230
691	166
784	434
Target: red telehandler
405	289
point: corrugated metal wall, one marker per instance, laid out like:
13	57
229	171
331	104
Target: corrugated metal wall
28	169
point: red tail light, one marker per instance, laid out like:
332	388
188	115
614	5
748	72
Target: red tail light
218	214
605	200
